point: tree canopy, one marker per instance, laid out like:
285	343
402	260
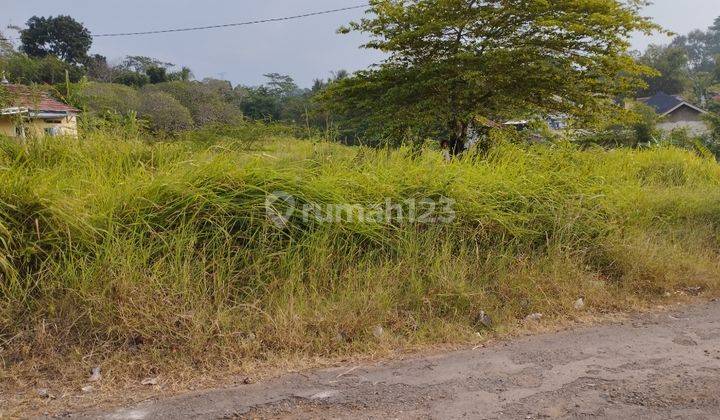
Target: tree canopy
688	66
671	64
452	61
701	47
61	36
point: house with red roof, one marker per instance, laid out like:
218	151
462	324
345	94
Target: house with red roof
27	111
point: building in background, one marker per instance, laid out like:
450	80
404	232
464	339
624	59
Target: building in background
29	112
677	113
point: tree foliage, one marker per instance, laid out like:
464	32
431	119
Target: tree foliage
108	97
697	75
141	64
60	36
98	69
205	104
157	75
450	61
269	101
130	78
701	47
20	68
140	70
671	63
164	112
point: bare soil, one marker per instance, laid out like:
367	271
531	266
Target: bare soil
657	365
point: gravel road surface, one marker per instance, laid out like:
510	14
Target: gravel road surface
661	365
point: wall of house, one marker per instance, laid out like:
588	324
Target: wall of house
694	127
683	113
37	128
7	126
684	118
66	127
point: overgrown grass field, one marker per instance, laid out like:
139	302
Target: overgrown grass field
162	254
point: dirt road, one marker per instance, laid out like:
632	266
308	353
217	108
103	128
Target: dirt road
663	365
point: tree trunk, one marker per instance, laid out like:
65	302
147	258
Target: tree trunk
458	137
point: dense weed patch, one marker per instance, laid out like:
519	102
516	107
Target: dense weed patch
164	251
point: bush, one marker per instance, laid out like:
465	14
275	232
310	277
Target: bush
164	113
645	124
205	103
108	97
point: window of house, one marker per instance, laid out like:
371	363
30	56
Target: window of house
53	131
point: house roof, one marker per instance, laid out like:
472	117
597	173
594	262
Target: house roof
35	100
13	111
665	104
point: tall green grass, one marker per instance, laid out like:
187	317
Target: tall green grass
164	251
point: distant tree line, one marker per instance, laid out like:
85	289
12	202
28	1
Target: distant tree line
453	67
688	66
167	96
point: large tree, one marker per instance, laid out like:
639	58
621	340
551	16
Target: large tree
61	36
451	62
269	100
141	64
98	68
702	47
671	64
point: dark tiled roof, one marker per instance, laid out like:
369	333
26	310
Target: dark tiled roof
35	100
663	102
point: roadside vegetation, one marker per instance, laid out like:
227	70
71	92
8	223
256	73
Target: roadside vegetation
147	246
141	256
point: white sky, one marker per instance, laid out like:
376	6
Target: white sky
305	49
679	16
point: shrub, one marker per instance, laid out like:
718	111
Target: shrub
109	97
164	112
645	124
205	103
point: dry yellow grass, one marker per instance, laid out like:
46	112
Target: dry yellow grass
159	258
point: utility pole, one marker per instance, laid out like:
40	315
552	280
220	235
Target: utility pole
67	84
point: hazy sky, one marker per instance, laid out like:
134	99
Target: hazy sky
305	49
